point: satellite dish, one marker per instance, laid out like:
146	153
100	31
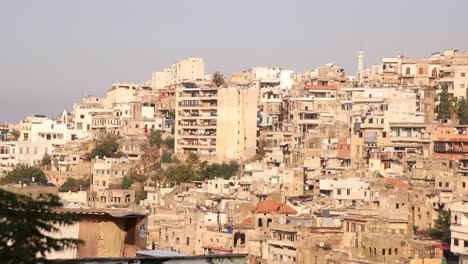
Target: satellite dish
321	244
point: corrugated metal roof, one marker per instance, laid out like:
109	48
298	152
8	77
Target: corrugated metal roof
159	253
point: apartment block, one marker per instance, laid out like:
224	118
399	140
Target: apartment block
218	124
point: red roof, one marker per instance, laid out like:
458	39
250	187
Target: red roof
395	183
442	246
270	206
286	209
320	87
247	221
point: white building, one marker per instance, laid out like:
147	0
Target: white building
349	191
459	228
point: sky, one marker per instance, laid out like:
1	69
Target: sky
52	53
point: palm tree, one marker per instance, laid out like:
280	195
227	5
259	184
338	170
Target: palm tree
15	133
218	79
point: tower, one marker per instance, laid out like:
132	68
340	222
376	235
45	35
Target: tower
360	56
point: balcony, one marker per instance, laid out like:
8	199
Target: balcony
372	126
282	243
459	228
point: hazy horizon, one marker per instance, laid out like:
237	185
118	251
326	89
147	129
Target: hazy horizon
55	52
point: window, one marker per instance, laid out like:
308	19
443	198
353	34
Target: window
421	71
408	72
383	251
396	251
338	191
462	74
463	184
384	134
348	192
397	206
260	222
455	241
446	184
465	243
371	120
389	251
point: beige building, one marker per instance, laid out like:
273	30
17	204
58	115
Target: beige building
216	123
162	78
108	172
188	69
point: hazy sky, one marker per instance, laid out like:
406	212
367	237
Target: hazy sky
54	52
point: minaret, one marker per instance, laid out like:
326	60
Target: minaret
360	56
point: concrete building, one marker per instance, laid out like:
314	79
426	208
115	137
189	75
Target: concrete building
459	228
108	173
216	123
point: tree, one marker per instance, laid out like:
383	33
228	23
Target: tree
180	173
454	105
24	172
155	138
218	79
192	159
444	104
127	181
15	133
107	146
463	111
170	114
166	157
224	170
74	185
169	142
46	160
26	225
441	228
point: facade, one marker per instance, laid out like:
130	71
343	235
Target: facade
108	172
216	123
459	229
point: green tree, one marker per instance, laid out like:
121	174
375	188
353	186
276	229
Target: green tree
180	173
170	114
454	105
166	157
441	229
46	160
192	159
224	170
107	146
444	109
24	172
463	111
127	182
155	138
169	142
218	79
26	225
74	185
15	133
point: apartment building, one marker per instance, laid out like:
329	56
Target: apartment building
184	70
459	228
217	123
108	172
